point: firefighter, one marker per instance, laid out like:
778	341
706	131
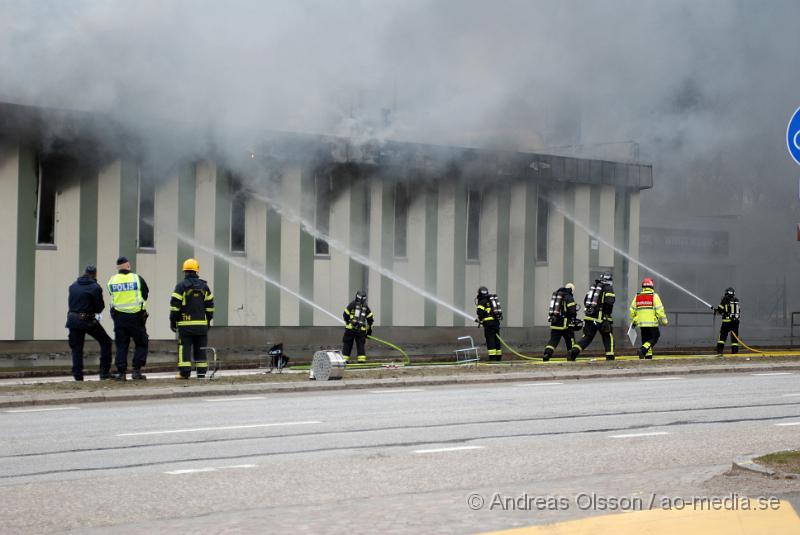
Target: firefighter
647	312
562	317
85	305
730	310
598	307
129	294
191	310
489	315
357	326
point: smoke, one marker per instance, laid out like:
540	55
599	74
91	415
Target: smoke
701	89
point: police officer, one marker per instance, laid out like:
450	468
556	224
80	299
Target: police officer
191	310
489	315
358	321
562	317
598	307
129	294
85	305
729	309
647	312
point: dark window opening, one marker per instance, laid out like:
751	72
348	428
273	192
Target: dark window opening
147	210
46	209
474	201
400	220
238	210
322	212
542	218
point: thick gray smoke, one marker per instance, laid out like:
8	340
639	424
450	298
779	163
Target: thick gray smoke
702	89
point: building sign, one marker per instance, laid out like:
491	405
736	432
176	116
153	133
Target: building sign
668	242
793	136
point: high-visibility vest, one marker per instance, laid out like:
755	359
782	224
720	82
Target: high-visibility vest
126	293
647	309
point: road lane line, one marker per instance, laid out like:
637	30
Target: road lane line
788	424
234	399
223	428
45	410
238	466
772	373
661	378
396	390
190	471
791	395
633	435
543	383
455	448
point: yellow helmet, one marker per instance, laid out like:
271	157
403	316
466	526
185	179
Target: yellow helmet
191	265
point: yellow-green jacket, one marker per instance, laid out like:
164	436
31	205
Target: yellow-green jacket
647	310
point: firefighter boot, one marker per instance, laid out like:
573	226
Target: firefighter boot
548	352
734	349
642	353
361	359
573	353
137	375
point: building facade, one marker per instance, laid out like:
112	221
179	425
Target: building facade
445	219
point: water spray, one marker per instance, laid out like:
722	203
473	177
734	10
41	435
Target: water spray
625	254
292	216
232	261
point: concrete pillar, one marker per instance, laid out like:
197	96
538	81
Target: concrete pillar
446	264
633	244
332	284
375	191
246	290
291	195
606	225
409	306
514	298
581	246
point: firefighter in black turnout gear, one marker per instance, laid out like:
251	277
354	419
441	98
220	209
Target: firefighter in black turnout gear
357	326
489	312
85	305
563	320
191	310
598	306
730	310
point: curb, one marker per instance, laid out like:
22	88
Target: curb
745	463
149	393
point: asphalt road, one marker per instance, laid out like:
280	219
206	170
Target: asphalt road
390	460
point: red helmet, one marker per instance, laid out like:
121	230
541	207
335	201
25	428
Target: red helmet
647	283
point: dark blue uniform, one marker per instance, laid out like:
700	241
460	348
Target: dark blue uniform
86	300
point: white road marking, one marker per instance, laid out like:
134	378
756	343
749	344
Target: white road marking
791	395
235	399
543	383
788	424
772	373
207	469
190	471
661	378
395	390
455	448
633	435
45	410
224	428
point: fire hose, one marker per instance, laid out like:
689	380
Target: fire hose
406	360
516	352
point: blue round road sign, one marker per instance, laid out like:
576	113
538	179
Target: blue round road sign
793	136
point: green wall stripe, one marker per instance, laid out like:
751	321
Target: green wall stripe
222	242
569	236
87	237
529	265
306	252
187	195
459	251
128	211
26	243
503	239
431	251
272	302
387	251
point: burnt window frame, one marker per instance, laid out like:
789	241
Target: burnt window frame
145	178
237	241
472	244
542	228
40	187
323	192
401	199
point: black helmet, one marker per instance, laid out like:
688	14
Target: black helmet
606	277
361	297
730	292
483	291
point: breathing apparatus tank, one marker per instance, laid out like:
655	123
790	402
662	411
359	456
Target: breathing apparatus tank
497	310
554	310
734	308
360	311
592	299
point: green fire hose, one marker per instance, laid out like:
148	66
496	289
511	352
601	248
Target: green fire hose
406	360
515	352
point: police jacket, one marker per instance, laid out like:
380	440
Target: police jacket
605	307
85	300
128	294
485	313
729	309
358	323
647	310
568	311
191	307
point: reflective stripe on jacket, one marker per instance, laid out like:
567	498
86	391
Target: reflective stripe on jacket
647	310
126	293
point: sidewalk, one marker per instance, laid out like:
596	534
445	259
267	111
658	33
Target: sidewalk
13	392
